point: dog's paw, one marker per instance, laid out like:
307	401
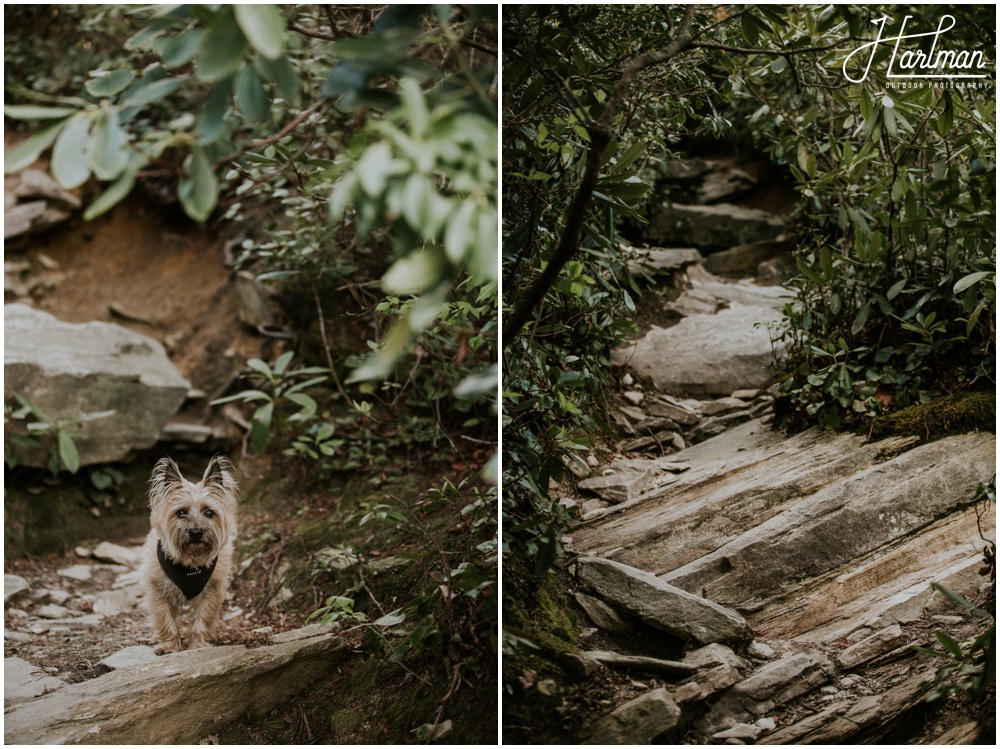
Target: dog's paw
167	647
198	642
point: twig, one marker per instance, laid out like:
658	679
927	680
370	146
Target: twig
303	115
326	346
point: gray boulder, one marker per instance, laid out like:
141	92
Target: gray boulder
708	354
660	605
721	225
638	721
72	370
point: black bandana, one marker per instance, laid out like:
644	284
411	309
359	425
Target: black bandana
191	580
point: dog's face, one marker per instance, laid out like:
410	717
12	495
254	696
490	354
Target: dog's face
193	521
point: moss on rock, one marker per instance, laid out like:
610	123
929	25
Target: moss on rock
952	414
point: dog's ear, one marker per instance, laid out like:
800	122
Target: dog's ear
219	472
166	475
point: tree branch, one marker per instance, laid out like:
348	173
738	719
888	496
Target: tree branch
302	116
600	137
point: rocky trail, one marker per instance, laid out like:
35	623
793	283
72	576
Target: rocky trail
784	580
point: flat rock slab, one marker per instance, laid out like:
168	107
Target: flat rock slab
176	699
70	370
721	225
708	354
131	656
23	681
661	605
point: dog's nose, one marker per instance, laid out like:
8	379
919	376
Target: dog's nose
196	534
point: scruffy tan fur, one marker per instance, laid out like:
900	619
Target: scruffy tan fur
178	507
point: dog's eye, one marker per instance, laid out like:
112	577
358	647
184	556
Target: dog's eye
181	513
209	514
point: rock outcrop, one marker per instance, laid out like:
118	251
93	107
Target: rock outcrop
70	371
712	226
176	699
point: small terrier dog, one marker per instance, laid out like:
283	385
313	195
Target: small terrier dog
189	551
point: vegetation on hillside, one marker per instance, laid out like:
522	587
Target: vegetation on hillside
895	229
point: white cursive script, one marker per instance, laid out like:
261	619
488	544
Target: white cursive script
917	59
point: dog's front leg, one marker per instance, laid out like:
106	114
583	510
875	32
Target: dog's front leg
165	615
207	606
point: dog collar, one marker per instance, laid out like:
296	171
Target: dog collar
191	580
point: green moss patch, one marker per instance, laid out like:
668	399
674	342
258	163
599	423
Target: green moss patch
952	414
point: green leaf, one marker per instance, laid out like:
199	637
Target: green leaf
889	117
415	273
946	118
251	98
112	196
460	233
779	64
260	431
109	153
281	72
750	31
68	453
36	112
199	189
222	48
283	361
949	644
391	619
342	196
27	153
211	123
264	26
146	93
182	48
963	283
861	318
895	289
109	84
69	157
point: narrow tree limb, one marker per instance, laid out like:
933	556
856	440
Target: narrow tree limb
600	136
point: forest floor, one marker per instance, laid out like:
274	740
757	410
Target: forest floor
146	268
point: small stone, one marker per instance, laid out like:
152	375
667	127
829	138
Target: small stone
109	552
548	687
112	602
848	681
571	505
760	649
722	406
592	505
579	665
741	731
766	724
745	395
14	636
880	642
634	397
619	487
53	611
948	620
13	585
627	380
82	552
715	654
592	461
829	689
680	414
58	596
735	742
